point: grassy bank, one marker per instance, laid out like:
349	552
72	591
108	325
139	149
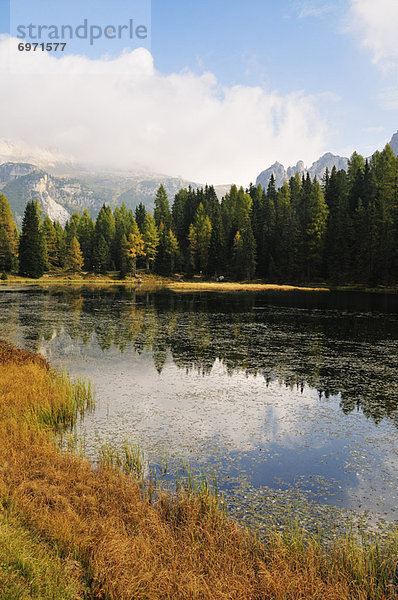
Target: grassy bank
151	282
76	279
232	286
67	531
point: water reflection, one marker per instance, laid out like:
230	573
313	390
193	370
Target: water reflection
283	395
339	344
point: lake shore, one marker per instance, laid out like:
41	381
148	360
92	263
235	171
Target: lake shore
102	533
196	284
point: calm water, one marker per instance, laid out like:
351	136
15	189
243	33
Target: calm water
291	398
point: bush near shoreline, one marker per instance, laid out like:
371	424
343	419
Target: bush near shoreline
69	531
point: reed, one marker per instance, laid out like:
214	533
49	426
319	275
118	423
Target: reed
99	528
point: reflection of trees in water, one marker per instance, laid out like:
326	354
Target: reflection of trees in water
335	352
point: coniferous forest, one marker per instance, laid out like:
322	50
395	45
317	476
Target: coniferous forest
341	230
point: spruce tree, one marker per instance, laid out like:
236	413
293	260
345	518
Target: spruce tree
162	212
32	252
172	249
151	240
50	238
85	236
199	239
140	214
103	240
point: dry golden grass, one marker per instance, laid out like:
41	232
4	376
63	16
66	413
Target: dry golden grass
213	286
124	546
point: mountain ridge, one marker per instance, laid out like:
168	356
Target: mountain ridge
63	187
317	169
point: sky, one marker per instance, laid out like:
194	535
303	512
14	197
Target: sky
216	92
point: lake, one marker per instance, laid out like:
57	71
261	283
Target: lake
288	400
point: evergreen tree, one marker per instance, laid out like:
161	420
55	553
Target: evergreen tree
50	238
162	208
74	258
339	244
172	249
85	236
60	241
103	240
244	249
316	213
140	214
217	244
385	170
151	240
8	237
267	262
123	221
32	251
101	254
199	239
282	253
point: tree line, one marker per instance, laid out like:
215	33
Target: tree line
343	229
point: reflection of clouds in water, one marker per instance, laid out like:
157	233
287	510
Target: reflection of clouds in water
191	416
228	414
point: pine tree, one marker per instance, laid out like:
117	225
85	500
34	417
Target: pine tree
172	249
217	244
31	244
338	239
8	237
384	166
123	221
283	231
244	249
266	261
162	208
74	258
60	237
316	213
50	238
199	239
103	240
85	236
151	240
140	214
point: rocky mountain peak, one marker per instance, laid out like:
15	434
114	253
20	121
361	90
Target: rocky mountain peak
394	143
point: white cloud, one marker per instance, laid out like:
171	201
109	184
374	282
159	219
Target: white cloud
376	22
122	111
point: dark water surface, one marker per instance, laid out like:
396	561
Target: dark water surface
291	398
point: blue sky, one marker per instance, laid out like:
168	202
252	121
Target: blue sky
330	65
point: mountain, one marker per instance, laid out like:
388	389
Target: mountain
394	143
317	169
60	196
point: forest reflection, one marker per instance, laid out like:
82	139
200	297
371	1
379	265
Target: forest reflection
338	344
